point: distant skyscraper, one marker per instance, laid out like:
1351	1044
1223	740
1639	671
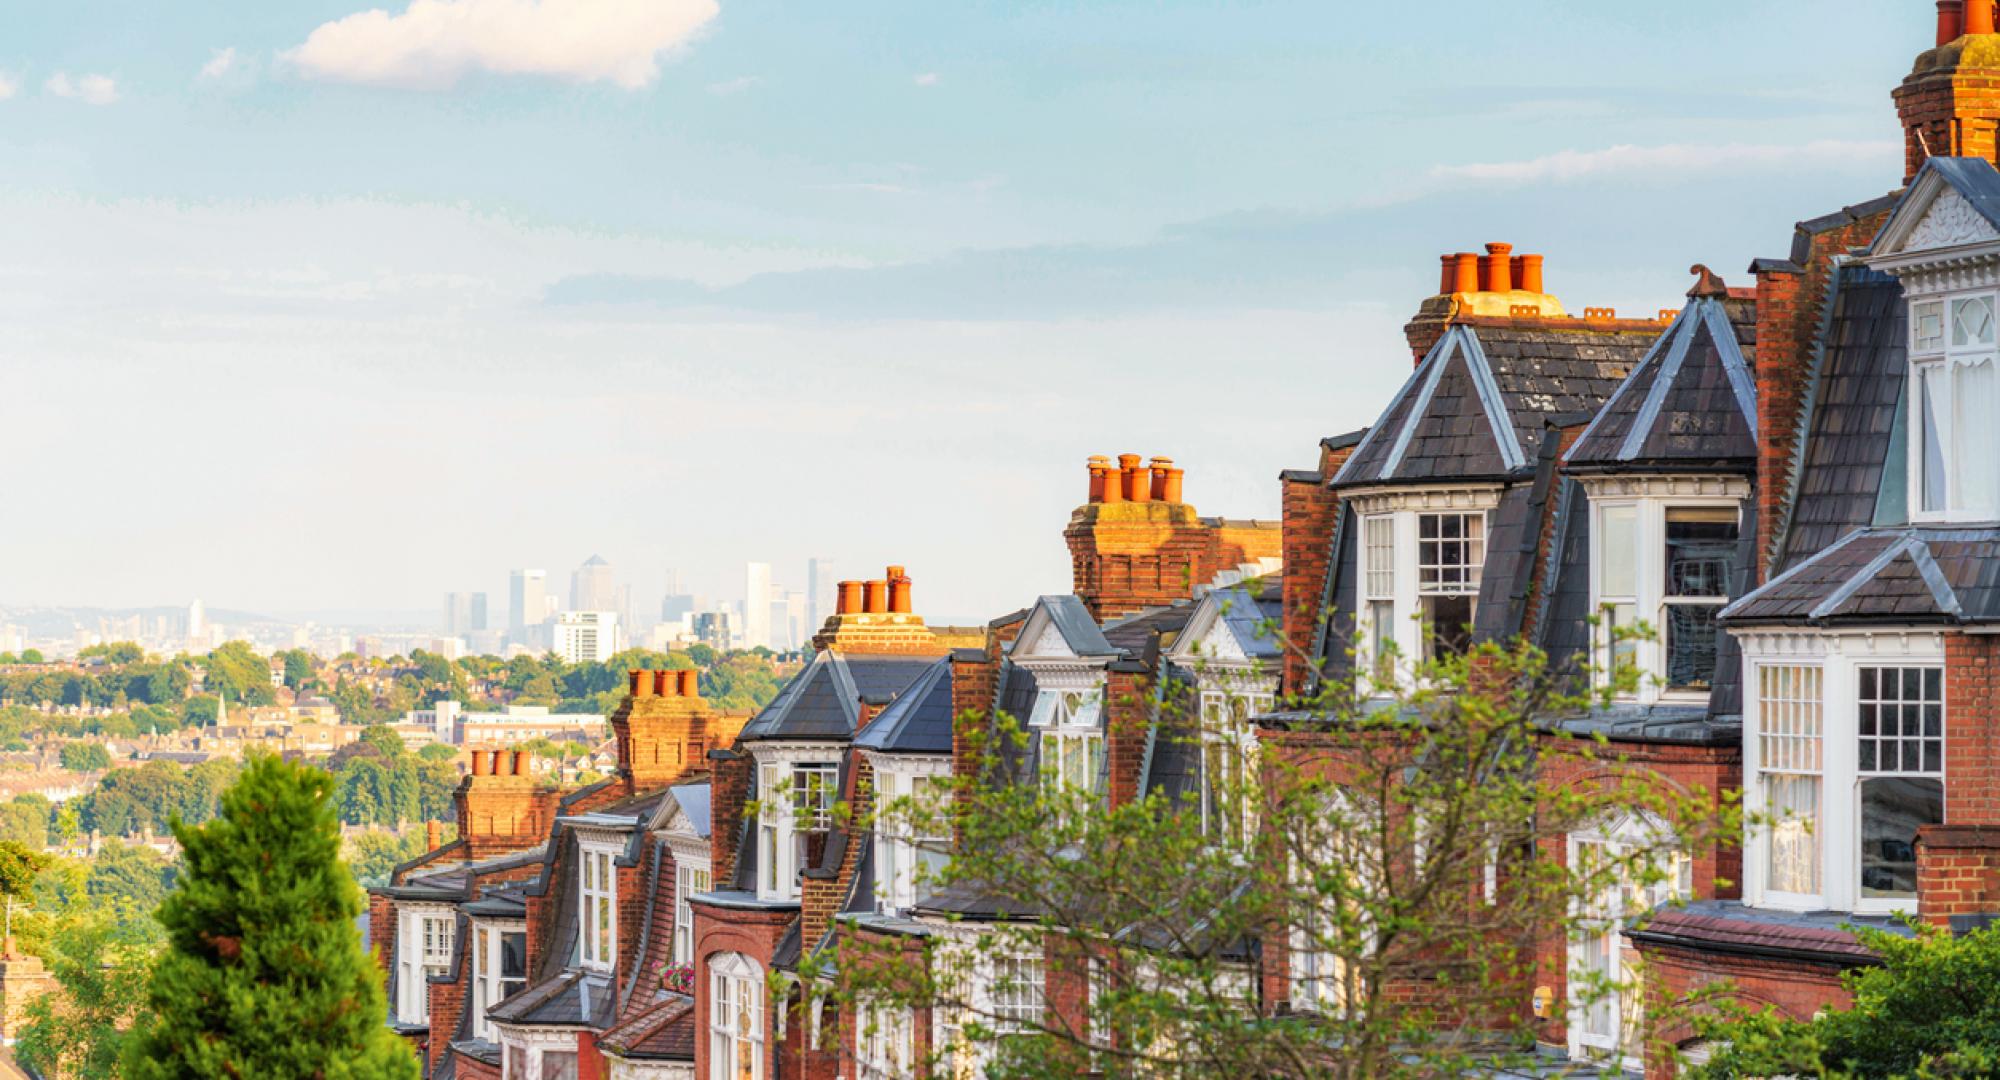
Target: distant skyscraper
593	587
526	606
197	621
757	605
586	636
478	612
464	613
819	593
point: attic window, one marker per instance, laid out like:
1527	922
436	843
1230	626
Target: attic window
1953	398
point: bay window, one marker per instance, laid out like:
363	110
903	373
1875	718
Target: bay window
912	828
1663	553
598	894
538	1054
1378	595
1451	552
1847	754
796	799
423	949
1228	762
735	1018
499	969
1422	557
1954	462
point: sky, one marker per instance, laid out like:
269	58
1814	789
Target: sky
307	306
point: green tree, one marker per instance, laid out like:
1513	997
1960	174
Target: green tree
129	878
235	670
299	667
81	1027
24	819
32	656
374	854
85	757
265	975
443	752
114	652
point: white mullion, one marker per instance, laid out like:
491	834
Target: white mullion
1840	808
1408	636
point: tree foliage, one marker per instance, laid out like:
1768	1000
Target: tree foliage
84	757
80	1028
265	974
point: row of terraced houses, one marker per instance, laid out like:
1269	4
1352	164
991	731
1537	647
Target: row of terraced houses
1796	479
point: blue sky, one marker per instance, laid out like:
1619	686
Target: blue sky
307	308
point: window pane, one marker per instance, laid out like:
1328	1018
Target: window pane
1972	321
1892	809
1976	438
1927	326
514	956
1619	550
1690	646
1930	417
558	1065
1451	551
1379	538
1447	624
1793	864
1900	720
1701	551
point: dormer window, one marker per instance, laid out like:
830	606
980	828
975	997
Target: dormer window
1663	553
1954	456
598	893
796	797
1422	558
1070	738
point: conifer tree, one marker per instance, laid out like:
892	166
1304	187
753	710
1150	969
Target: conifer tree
265	975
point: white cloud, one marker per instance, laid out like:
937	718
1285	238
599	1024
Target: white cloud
1672	158
929	78
220	63
733	86
8	86
89	89
434	43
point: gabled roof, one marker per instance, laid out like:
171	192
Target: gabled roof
574	998
1691	403
1233	625
1059	625
1951	201
686	808
1924	576
918	721
1475	406
661	1030
823	700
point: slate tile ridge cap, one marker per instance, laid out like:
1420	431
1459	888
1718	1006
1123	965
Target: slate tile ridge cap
1624	385
1734	607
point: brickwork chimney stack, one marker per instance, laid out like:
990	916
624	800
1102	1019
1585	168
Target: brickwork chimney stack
1949	104
1150	547
661	736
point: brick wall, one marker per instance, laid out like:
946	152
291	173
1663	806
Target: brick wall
1306	532
729	789
382	930
1795	988
1128	713
1958	862
448	1003
755	934
1948	111
1129	556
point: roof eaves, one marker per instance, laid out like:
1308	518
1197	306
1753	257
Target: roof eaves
1933	575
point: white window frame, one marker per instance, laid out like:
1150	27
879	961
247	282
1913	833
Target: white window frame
597	894
1068	722
1837	833
489	988
1948	360
1400	604
534	1043
778	834
1227	736
1649	499
886	1042
416	925
1016	992
736	1017
899	851
691	876
1609	911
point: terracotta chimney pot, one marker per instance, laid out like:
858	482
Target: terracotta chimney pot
1447	274
1098	465
1978	16
482	763
1173	494
1160	466
1137	485
1951	20
899	591
642	683
849	600
1468	272
1114	485
433	835
521	765
1499	268
1530	278
878	598
668	682
690	683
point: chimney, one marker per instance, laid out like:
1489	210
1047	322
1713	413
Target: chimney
877	598
1138	486
642	683
1529	275
899	591
1114	483
690	683
659	738
521	763
1173	485
1951	20
1978	16
1499	268
1468	272
849	601
482	763
433	835
1098	465
1447	274
1160	466
666	683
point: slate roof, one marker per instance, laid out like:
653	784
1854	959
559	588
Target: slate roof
662	1030
918	721
1132	634
1729	926
574	998
1474	407
1921	575
1250	614
1691	404
694	804
1074	622
821	701
1847	471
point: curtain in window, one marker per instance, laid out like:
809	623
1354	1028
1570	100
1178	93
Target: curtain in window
1976	427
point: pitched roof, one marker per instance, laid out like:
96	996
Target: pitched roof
1069	620
1941	576
1691	403
1968	186
664	1029
823	700
1474	407
918	721
573	998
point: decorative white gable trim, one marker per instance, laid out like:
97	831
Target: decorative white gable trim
1050	642
1937	241
1665	486
1442	497
1950	222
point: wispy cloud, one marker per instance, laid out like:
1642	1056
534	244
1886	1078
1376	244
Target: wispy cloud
1674	158
89	89
434	43
733	86
220	63
9	86
928	78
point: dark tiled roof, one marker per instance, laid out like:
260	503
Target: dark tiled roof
1131	634
1841	473
1513	535
919	721
574	998
1333	639
1692	403
1941	576
1074	622
1561	628
662	1029
1728	926
822	700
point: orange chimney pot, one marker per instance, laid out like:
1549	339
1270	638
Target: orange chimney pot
642	683
669	686
482	763
849	600
1098	465
1173	486
1530	277
1468	272
899	591
1160	466
1137	484
1978	16
1951	20
1447	274
1499	268
520	766
690	683
433	835
877	600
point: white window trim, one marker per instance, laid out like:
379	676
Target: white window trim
690	873
1650	497
535	1041
1053	681
603	856
742	974
1949	358
486	965
1403	506
1839	655
896	776
1678	884
777	829
413	995
1236	739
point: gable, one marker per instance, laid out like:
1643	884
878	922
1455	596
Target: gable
1060	628
1949	222
1952	203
